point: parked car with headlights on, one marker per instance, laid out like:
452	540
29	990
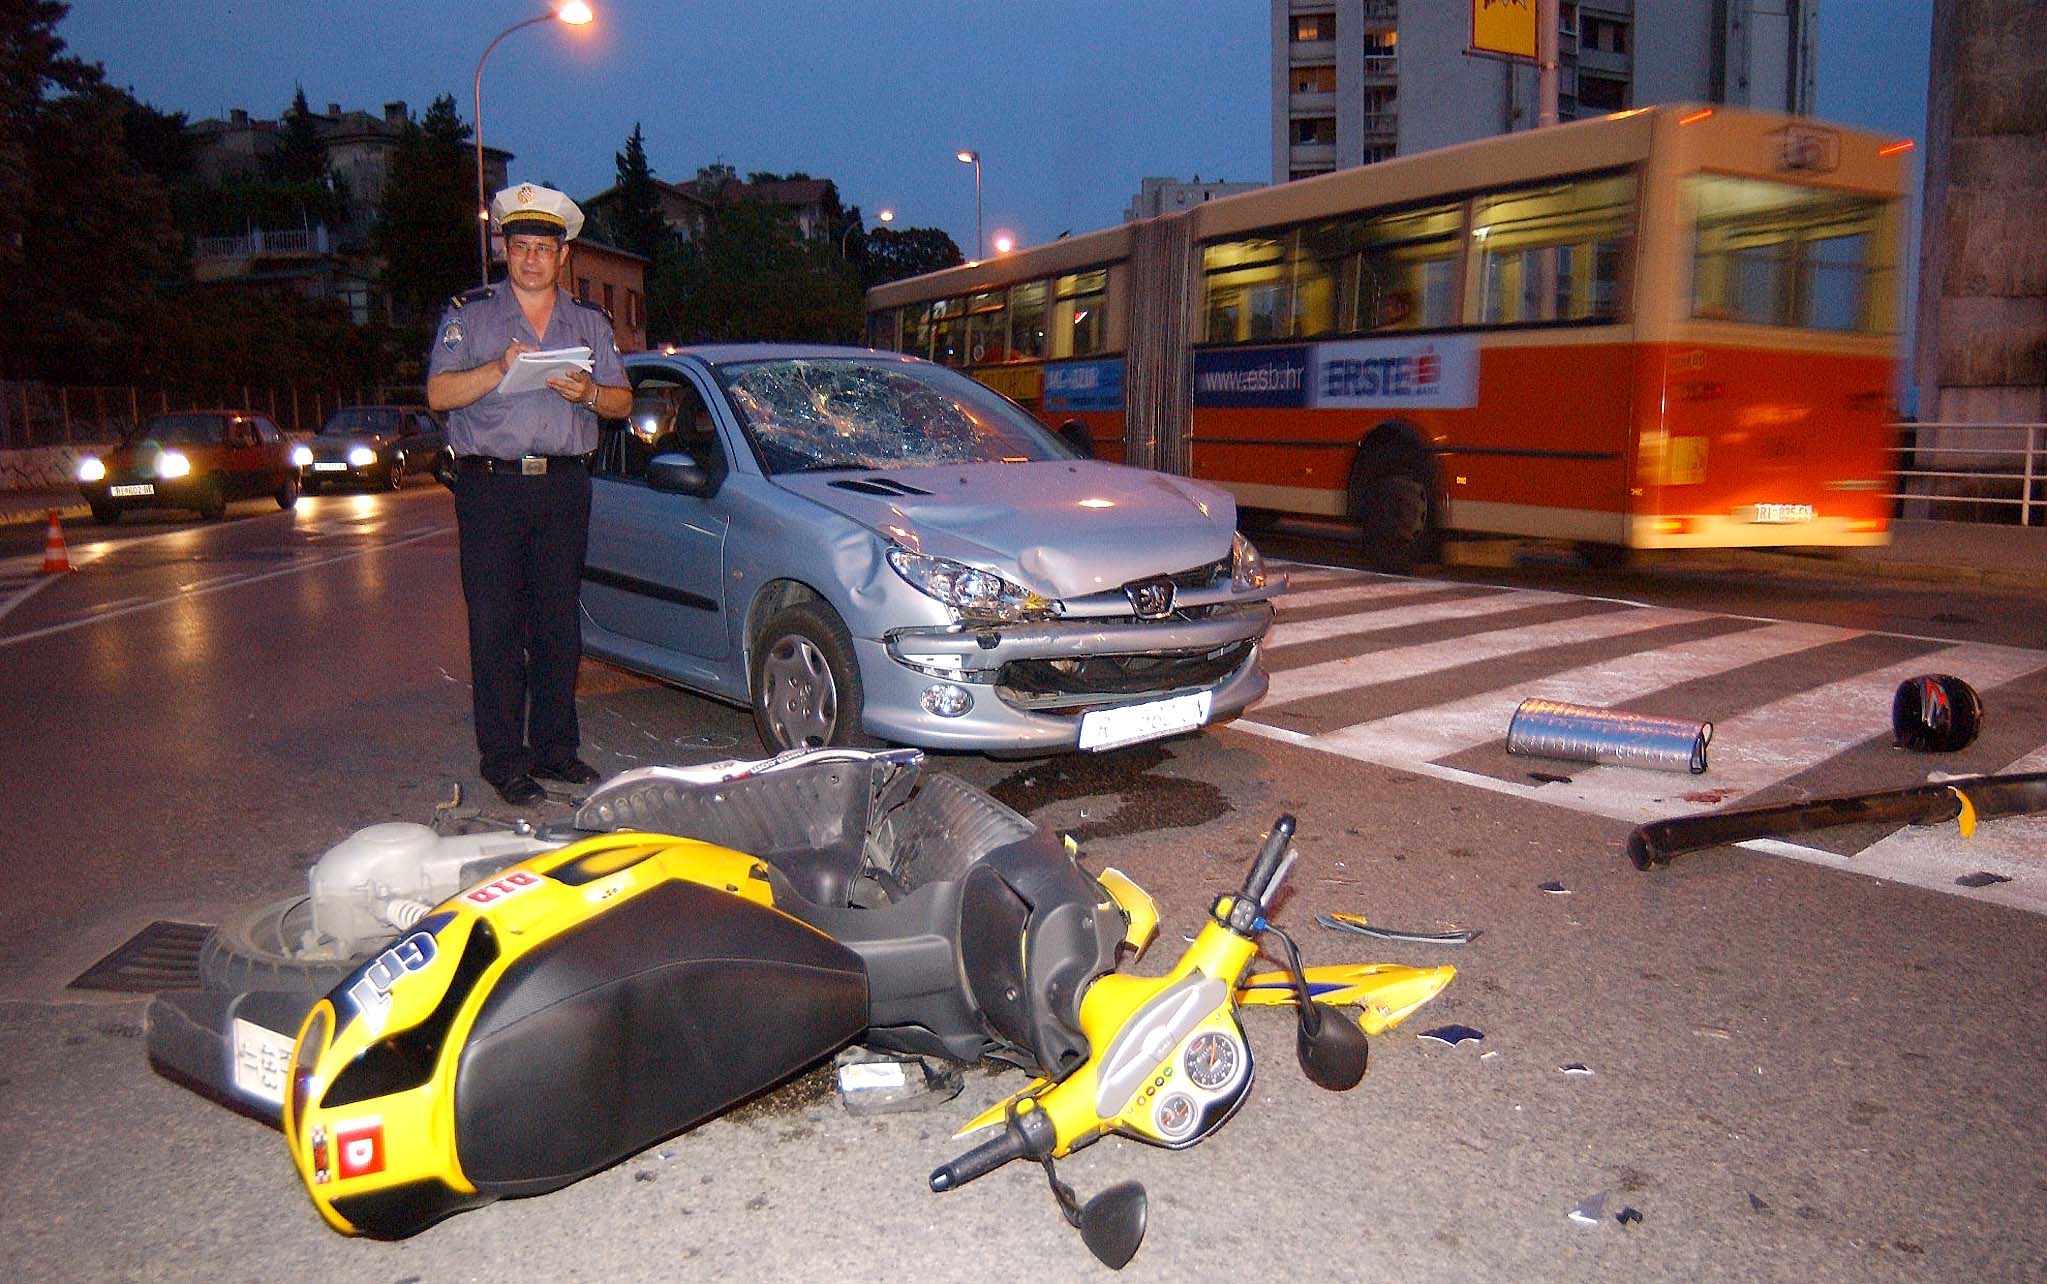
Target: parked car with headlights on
373	446
197	459
860	545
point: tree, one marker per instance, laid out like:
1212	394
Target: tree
893	255
752	275
301	155
426	226
85	232
636	222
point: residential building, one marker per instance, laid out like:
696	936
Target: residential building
615	280
1156	196
317	261
1356	81
686	206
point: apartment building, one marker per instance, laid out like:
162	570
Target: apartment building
1356	81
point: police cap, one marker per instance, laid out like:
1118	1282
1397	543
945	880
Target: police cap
528	209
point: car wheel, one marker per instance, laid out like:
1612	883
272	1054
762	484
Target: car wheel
106	514
394	473
213	501
267	947
1397	528
806	682
288	492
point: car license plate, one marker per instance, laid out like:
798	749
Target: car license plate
262	1061
324	467
1780	514
123	492
1111	728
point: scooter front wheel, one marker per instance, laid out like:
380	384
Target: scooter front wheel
267	948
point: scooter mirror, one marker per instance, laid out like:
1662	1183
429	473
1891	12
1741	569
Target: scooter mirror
1112	1224
1333	1051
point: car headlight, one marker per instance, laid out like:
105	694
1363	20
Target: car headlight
90	469
1247	568
967	589
301	456
361	457
172	464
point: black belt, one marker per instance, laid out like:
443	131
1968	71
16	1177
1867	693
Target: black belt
524	466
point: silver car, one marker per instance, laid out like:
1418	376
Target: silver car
863	546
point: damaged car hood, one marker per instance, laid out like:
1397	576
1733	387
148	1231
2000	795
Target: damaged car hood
1061	528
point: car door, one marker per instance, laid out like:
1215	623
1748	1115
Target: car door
242	461
654	571
422	438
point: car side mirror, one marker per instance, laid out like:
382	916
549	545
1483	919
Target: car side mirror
678	472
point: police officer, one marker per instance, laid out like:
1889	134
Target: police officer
522	489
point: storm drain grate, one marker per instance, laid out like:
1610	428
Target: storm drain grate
162	956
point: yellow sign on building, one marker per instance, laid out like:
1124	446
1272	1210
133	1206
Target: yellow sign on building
1503	27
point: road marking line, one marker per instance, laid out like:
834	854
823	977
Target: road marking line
184	594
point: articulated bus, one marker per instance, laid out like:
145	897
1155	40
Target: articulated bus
1674	327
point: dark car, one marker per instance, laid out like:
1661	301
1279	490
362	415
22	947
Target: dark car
198	459
374	446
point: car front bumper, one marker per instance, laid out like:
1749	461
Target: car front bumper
897	671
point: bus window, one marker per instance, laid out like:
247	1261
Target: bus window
881	330
987	327
1570	235
1027	321
1774	253
917	329
1406	265
1247	299
948	332
1078	324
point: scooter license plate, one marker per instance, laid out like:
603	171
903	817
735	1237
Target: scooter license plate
1113	728
124	492
262	1062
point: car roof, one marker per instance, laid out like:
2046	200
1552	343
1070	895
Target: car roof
720	353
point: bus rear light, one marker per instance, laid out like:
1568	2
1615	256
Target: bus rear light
1862	525
1673	526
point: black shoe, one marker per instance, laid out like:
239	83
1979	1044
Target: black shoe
573	772
520	791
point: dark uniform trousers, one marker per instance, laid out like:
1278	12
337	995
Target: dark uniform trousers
523	539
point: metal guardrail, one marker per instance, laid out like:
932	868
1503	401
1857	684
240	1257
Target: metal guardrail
1980	468
307	240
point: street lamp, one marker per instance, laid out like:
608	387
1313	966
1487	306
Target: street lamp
575	13
846	239
1004	242
974	159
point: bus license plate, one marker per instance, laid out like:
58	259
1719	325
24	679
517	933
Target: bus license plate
1113	728
124	492
1781	514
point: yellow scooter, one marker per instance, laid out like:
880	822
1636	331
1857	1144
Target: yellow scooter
1170	1062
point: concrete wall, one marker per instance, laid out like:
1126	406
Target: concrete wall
1982	334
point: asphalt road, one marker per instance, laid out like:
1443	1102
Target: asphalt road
1799	1072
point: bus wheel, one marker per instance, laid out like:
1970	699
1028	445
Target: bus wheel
1397	527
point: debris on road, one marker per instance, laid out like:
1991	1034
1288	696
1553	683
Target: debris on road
1591	1210
1981	878
1935	713
1583	733
1452	1035
1577	1067
1356	923
1554	888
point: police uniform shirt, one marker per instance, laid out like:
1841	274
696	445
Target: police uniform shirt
476	329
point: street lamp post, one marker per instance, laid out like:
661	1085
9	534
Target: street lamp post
974	158
576	14
846	239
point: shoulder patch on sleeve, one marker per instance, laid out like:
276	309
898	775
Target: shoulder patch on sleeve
477	295
599	309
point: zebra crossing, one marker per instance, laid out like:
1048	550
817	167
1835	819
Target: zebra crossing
1424	677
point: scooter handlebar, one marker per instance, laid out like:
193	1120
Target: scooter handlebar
1025	1135
1264	870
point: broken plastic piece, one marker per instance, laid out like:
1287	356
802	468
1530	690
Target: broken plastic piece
873	1083
1386	993
1981	878
1591	1210
1576	1067
1452	1035
1554	888
1356	923
1627	1215
1548	778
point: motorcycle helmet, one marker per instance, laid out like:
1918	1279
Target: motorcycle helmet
1935	713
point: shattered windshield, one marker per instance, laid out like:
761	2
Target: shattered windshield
817	414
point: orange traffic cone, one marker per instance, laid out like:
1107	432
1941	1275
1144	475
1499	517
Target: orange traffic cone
55	559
